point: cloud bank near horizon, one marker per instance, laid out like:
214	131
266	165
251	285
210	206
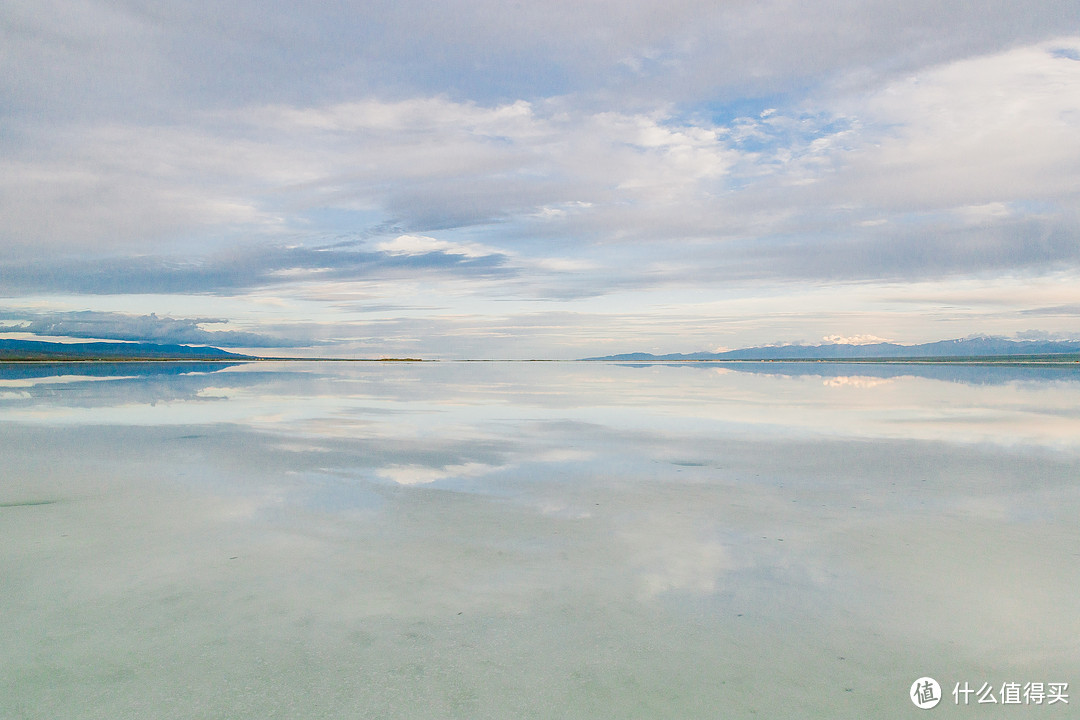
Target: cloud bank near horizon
93	325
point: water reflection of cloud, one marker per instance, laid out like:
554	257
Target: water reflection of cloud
56	389
686	565
856	381
424	474
31	382
341	525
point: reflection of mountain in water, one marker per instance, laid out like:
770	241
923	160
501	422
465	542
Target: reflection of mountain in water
82	384
969	374
30	371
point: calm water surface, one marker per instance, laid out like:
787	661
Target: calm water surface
535	540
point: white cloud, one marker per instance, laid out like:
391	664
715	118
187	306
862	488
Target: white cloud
855	339
420	245
976	138
978	132
427	161
422	114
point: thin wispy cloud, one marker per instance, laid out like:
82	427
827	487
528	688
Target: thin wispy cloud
240	269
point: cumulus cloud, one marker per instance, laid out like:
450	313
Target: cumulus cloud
855	339
966	166
978	132
522	173
422	245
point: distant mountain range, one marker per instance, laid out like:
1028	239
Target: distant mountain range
38	350
973	348
947	349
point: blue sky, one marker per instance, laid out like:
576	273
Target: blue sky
516	180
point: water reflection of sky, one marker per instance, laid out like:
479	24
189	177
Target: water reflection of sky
1030	403
532	539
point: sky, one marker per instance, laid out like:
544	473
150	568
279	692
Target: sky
482	179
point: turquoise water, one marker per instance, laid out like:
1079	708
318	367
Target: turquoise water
548	540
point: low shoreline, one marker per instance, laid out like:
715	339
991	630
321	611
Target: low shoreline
1044	360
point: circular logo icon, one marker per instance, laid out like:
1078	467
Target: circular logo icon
925	693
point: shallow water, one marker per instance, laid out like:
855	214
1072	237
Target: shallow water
549	540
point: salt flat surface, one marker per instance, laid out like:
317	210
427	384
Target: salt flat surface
548	540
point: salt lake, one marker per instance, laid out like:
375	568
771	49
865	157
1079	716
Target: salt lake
537	540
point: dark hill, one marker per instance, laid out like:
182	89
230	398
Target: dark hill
39	350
